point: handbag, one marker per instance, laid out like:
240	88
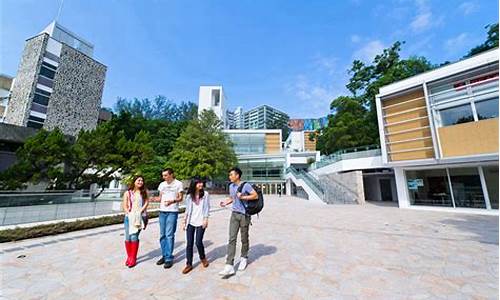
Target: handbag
145	219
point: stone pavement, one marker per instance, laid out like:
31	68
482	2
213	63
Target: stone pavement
299	250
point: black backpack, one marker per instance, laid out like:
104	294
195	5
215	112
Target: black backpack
253	207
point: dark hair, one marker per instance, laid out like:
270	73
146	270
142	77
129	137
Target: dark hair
192	187
170	171
236	170
131	186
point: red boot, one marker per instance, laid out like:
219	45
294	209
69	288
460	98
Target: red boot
127	247
134	248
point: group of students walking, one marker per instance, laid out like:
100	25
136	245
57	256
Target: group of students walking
194	223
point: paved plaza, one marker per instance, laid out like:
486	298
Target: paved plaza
299	250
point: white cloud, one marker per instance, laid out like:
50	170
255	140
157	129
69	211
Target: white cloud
368	52
421	22
312	98
424	19
326	63
468	7
458	44
355	38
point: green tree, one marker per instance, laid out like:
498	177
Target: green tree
490	43
202	149
63	162
158	108
41	159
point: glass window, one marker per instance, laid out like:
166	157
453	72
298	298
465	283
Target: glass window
467	189
34	124
429	187
47	72
51	56
36	119
491	177
487	109
456	115
215	97
45	81
38	108
42	92
40	99
48	65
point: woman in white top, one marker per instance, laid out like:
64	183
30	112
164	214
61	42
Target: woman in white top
135	204
196	221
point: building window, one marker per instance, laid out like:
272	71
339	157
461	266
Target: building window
51	56
34	124
36	119
491	178
429	187
38	108
43	100
45	81
487	109
467	189
44	71
215	97
456	115
454	98
42	92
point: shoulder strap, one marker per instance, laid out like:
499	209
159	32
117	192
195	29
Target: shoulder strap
130	201
240	188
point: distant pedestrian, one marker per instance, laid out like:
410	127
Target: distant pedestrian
239	222
135	204
196	222
170	197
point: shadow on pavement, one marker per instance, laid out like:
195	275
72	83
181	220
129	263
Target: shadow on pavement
483	228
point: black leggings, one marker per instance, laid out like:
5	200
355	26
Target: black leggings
190	231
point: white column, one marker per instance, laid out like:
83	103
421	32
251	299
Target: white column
402	189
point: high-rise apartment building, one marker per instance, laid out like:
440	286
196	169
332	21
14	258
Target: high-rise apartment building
264	117
58	83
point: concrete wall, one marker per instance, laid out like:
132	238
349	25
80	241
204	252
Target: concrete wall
373	162
23	88
78	86
343	188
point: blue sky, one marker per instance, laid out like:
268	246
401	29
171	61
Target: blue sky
292	55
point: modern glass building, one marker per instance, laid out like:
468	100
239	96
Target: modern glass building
260	157
439	132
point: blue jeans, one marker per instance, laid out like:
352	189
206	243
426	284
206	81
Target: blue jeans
130	237
168	225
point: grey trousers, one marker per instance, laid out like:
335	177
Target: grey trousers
238	222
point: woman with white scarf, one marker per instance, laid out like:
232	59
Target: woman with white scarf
135	204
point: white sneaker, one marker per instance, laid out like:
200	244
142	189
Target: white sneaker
243	264
228	270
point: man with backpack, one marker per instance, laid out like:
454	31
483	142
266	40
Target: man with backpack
240	194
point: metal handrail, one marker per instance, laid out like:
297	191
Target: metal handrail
312	182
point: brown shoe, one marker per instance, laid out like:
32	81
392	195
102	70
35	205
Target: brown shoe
204	262
187	269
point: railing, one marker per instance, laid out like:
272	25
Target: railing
312	182
29	207
349	153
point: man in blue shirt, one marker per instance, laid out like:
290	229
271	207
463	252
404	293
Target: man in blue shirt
240	221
